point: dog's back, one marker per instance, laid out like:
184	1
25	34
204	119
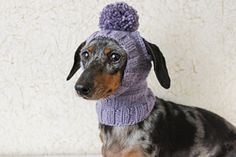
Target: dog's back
193	130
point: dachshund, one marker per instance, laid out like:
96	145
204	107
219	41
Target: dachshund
170	130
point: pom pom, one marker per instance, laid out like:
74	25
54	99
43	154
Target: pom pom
119	16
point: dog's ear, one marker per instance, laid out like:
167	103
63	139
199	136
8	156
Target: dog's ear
159	64
76	64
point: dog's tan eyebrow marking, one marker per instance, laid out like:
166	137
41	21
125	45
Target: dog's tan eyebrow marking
107	50
91	48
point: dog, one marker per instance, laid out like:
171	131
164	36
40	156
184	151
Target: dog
132	121
171	130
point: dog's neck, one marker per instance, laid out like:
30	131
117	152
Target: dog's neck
128	108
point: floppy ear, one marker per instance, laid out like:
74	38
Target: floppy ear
76	64
159	64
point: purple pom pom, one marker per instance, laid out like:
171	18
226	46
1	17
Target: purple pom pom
119	16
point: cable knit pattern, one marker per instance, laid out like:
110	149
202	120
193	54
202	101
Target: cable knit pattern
133	101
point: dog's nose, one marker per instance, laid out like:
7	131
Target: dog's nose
83	90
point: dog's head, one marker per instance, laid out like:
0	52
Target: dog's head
104	63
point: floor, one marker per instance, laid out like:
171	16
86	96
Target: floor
50	156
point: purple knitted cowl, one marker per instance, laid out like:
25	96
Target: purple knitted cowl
133	100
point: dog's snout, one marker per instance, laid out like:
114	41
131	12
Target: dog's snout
82	89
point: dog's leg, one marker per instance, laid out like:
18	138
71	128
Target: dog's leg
124	142
136	151
115	151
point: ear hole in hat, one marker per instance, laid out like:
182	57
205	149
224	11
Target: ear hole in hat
76	64
159	64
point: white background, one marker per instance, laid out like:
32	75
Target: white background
40	112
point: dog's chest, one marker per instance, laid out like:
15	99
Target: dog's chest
124	141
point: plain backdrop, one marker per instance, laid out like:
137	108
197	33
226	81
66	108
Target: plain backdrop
40	112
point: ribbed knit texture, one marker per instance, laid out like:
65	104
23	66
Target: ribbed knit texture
133	101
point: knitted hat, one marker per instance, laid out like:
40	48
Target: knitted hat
133	100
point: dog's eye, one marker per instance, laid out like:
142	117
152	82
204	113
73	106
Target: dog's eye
114	57
85	54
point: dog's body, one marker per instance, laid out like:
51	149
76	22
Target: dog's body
170	130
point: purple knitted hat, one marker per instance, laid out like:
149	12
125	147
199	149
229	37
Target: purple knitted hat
133	100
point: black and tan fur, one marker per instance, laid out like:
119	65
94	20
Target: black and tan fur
171	130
